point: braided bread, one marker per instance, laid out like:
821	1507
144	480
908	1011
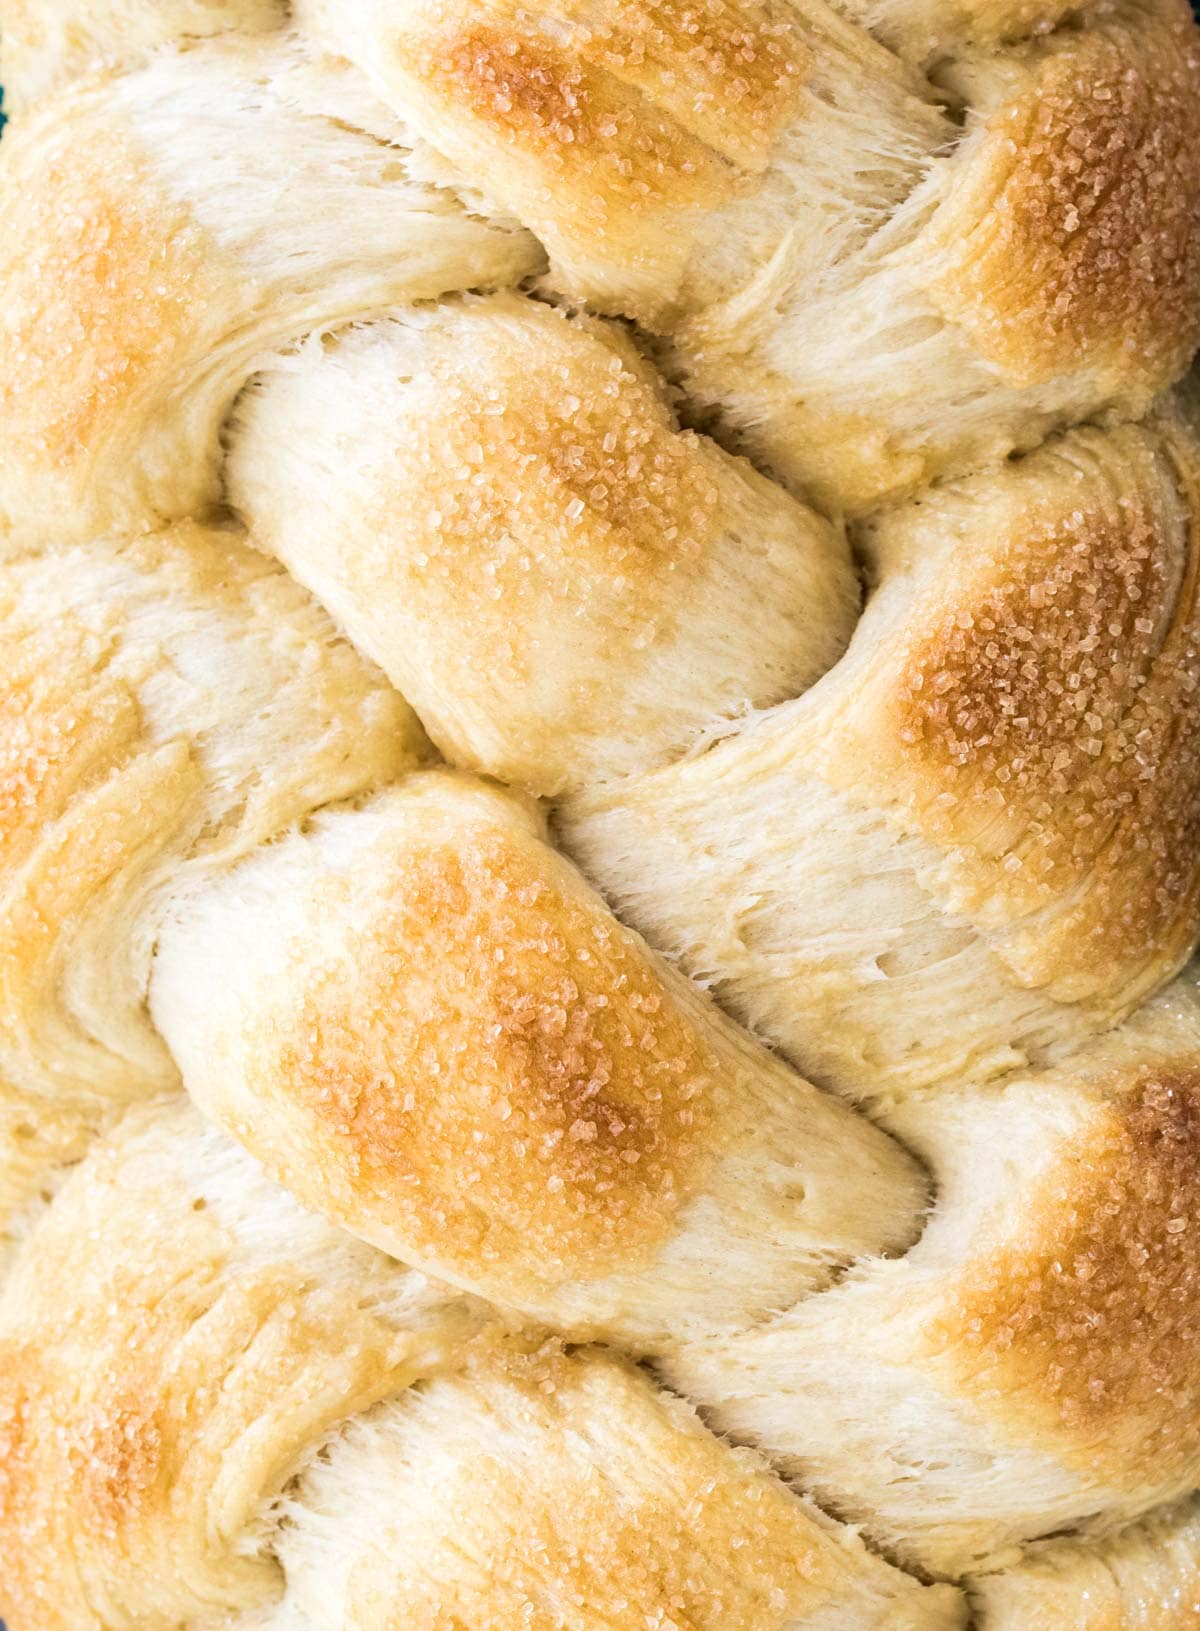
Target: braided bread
599	816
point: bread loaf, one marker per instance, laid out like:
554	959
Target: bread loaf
599	816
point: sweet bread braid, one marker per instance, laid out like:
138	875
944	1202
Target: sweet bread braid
170	702
200	212
227	1378
813	224
1027	1366
599	814
974	843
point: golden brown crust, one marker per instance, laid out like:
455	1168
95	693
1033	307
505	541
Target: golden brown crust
1074	232
524	90
590	1099
149	263
447	1044
1002	680
974	842
725	74
154	1393
1026	712
607	138
1084	1325
1032	269
565	584
156	1398
936	864
569	129
608	444
101	282
1030	1353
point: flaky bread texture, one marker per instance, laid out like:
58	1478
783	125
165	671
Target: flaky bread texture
169	703
598	815
799	217
632	585
802	217
214	1332
525	1101
973	843
1027	1365
608	1504
167	226
229	1387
